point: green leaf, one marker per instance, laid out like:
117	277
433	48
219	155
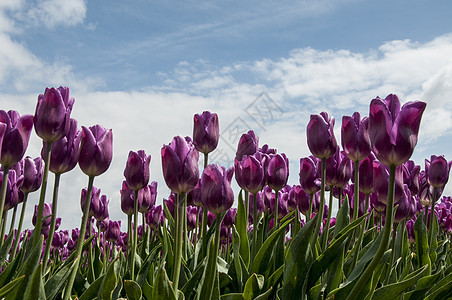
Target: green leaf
274	278
422	251
206	285
394	290
10	285
236	252
442	286
242	229
253	286
147	264
262	259
168	216
232	296
35	286
55	284
434	245
265	295
94	289
133	290
162	288
297	263
190	285
342	218
4	250
424	284
9	270
147	290
110	280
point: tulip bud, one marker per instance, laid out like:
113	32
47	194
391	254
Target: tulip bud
248	145
217	194
206	132
96	150
320	135
33	170
137	170
277	169
16	136
437	170
355	137
249	173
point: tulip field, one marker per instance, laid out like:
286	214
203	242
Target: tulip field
390	239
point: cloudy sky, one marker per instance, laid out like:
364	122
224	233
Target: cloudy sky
144	68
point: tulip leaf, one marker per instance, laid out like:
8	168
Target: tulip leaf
442	288
342	218
423	285
162	288
232	296
235	250
147	290
55	284
4	250
434	241
147	264
394	290
190	285
422	251
209	276
110	280
10	286
168	216
265	295
133	290
242	229
35	286
253	286
93	290
298	262
9	270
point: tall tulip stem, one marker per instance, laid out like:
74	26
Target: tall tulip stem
322	204
356	192
384	241
135	237
432	215
19	227
178	240
56	185
81	237
327	227
3	196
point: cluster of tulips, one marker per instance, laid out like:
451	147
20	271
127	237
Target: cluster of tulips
391	236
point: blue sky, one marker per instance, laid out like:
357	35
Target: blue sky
144	68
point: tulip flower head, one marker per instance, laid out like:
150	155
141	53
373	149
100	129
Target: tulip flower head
248	145
320	135
277	171
249	173
16	135
217	194
355	137
137	170
53	113
96	150
33	170
437	170
206	132
393	130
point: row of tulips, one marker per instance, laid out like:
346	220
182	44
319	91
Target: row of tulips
390	237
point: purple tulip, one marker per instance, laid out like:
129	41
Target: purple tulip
338	169
381	178
320	135
437	170
265	149
147	197
180	165
366	174
194	196
426	190
249	173
33	170
12	189
298	196
102	211
94	201
393	130
277	171
206	132
113	232
410	231
403	208
16	136
137	170
154	217
65	151
53	112
127	199
229	218
170	204
282	204
411	176
47	211
96	150
248	145
309	174
355	137
191	217
217	194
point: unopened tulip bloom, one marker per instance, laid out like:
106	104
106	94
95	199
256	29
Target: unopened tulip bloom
381	177
53	112
338	170
206	132
217	194
355	137
147	197
411	176
102	211
249	173
393	130
127	199
403	208
32	170
65	151
94	200
248	145
46	212
309	174
229	218
96	150
277	171
113	232
180	165
154	217
137	170
300	197
12	189
320	135
437	170
16	136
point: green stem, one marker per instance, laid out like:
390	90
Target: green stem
432	215
308	217
135	236
52	222
178	240
38	227
13	220
322	204
3	197
356	192
391	257
4	218
212	277
275	217
129	241
327	229
384	241
247	206
255	224
19	228
78	250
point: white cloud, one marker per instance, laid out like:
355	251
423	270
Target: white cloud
50	13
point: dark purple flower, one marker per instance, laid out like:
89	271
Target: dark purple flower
191	217
170	204
94	201
355	137
309	174
265	149
277	171
180	165
47	211
96	150
320	135
65	151
113	232
53	112
194	196
366	174
206	132
410	231
154	217
102	211
437	170
147	197
249	173
137	170
229	218
16	136
248	145
411	176
32	170
404	206
12	189
393	130
217	194
300	198
381	178
282	204
127	199
338	169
